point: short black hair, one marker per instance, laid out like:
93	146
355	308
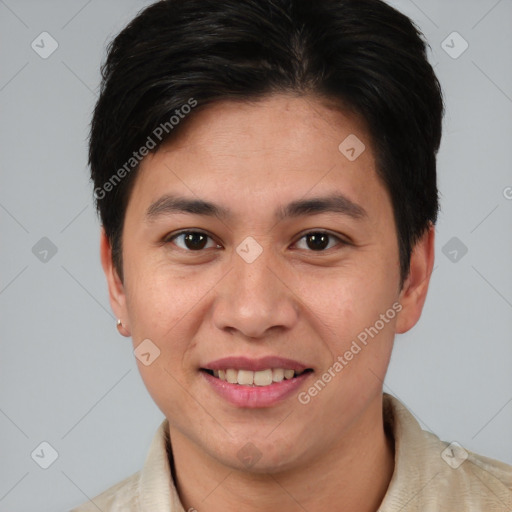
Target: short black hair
363	54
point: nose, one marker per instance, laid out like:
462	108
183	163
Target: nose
254	298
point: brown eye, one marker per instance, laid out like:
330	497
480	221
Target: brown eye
319	241
192	240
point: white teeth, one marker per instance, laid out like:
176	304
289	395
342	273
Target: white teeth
259	378
263	378
231	376
245	377
288	374
278	375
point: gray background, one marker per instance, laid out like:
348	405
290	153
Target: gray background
68	378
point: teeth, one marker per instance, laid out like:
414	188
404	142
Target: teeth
249	378
245	377
232	376
263	378
288	374
278	375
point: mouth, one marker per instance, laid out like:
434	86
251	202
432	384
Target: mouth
259	378
255	383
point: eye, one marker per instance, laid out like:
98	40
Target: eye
320	241
192	240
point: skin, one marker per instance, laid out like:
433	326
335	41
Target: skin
292	301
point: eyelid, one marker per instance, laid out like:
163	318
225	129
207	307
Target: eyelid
171	236
341	241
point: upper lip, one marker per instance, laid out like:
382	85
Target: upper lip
255	365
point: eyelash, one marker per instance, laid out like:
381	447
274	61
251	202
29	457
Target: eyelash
340	241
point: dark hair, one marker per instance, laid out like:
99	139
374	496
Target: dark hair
363	54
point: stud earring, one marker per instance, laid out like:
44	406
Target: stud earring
121	328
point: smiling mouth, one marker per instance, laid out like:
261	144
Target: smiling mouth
259	378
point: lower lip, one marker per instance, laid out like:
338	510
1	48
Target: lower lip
255	396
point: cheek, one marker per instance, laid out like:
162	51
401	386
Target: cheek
346	315
348	312
159	303
163	309
169	305
348	300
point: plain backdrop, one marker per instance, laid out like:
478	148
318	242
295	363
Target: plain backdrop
68	379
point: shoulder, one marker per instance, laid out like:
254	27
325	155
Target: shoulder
434	475
121	497
462	477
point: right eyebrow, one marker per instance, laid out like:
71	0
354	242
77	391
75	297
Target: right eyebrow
169	204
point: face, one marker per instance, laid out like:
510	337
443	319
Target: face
255	250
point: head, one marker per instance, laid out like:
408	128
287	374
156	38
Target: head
297	141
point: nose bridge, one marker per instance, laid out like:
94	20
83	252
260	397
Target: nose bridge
253	272
253	298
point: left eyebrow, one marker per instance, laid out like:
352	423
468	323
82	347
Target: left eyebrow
337	203
169	204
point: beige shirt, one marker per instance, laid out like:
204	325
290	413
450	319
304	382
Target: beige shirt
429	476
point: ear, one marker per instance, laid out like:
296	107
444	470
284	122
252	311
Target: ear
414	291
115	285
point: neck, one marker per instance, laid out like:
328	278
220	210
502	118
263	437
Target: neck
351	475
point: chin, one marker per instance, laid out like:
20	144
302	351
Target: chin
257	455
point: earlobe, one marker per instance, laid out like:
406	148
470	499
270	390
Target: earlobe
123	331
115	285
415	288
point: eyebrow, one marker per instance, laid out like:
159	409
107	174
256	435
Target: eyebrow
337	203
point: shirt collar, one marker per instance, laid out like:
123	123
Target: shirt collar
157	490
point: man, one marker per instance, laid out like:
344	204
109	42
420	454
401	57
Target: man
265	173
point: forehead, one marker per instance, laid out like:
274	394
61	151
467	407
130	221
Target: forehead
277	149
277	122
